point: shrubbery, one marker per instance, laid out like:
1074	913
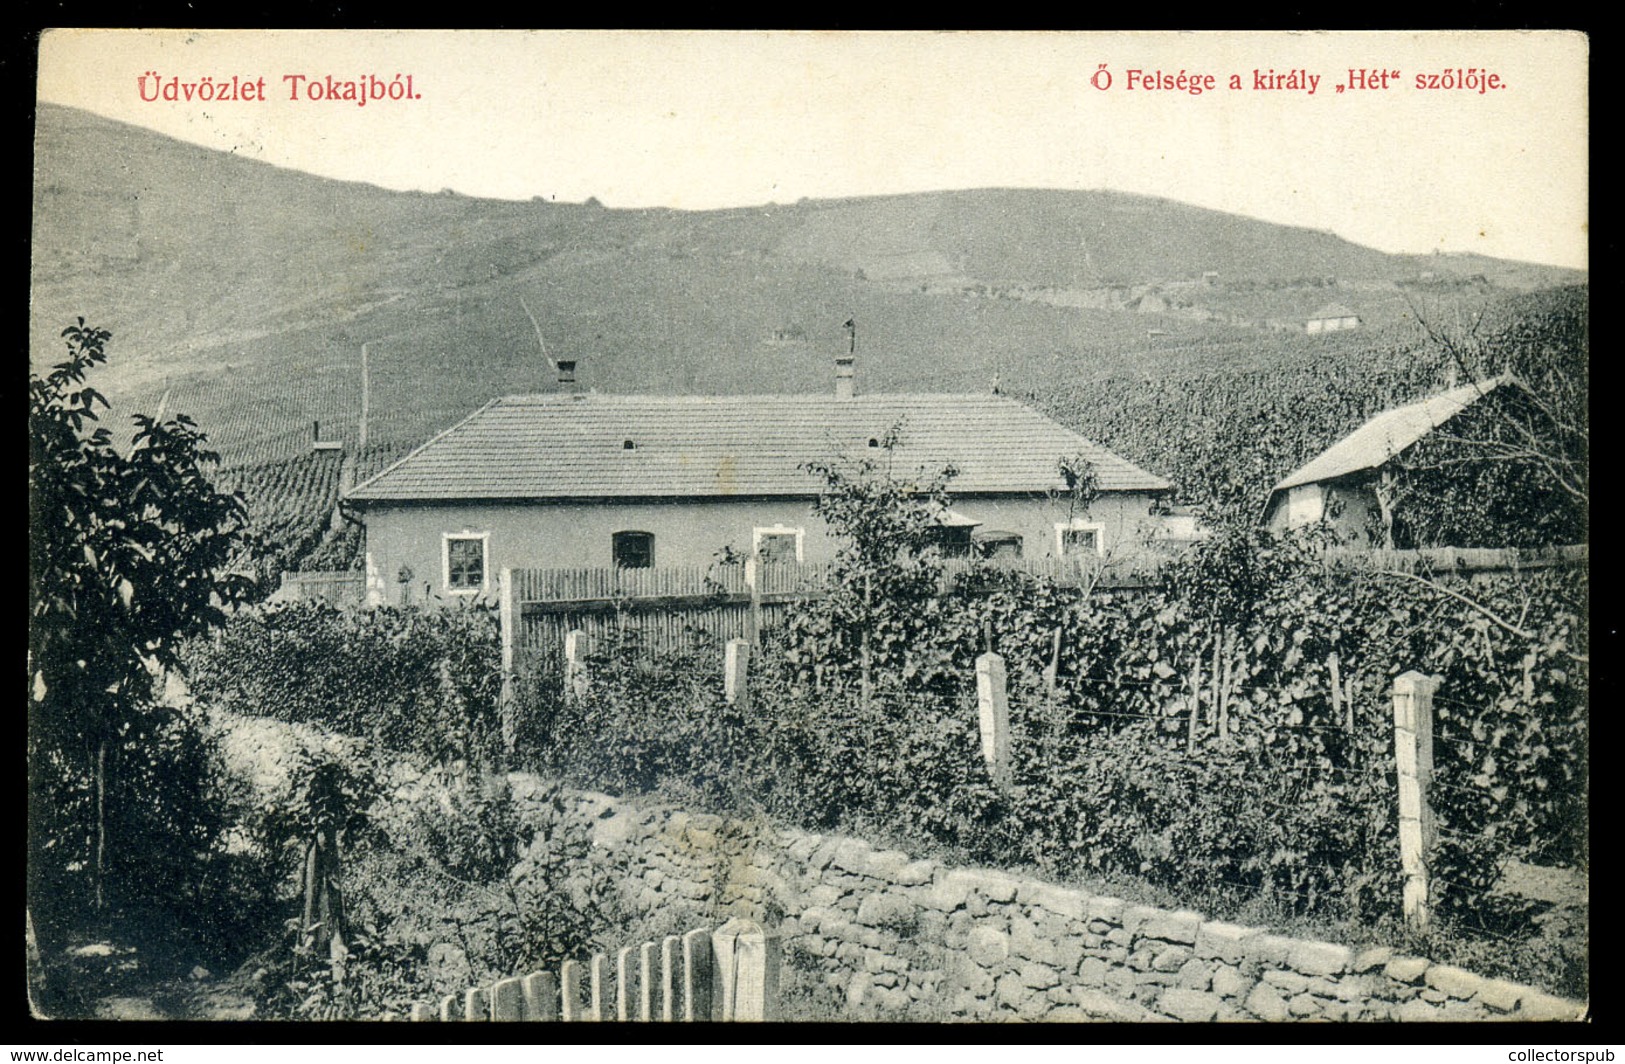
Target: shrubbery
1288	800
423	682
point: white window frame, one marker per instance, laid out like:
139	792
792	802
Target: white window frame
1079	524
756	535
485	562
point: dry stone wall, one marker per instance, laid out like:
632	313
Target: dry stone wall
902	938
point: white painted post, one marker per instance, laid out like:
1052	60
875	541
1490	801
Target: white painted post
599	972
648	976
475	1006
508	1000
575	664
505	616
541	997
671	979
993	707
570	992
626	985
736	671
698	977
1413	753
747	971
752	572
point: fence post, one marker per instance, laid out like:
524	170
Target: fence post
570	992
1196	704
747	971
422	1013
648	973
541	997
671	978
1413	753
575	664
993	707
508	1000
475	1006
1335	679
505	618
626	985
599	971
736	672
448	1008
698	976
752	582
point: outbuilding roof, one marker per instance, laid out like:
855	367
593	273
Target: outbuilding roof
1332	310
559	446
1388	434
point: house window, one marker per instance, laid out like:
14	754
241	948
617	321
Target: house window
953	540
778	545
1078	538
633	550
998	544
463	561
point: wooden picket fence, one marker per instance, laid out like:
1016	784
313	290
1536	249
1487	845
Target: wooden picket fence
1462	559
334	587
726	975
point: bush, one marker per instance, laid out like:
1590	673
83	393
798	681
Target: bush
1291	797
423	682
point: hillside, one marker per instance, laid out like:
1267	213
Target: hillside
246	290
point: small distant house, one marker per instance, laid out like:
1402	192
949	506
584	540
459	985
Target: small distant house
569	480
1333	317
1341	484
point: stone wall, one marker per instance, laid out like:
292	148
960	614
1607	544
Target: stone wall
914	939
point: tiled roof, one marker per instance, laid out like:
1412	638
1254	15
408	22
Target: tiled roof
574	446
1387	434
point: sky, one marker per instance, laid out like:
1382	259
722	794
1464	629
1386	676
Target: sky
721	119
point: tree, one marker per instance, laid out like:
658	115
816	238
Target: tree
1514	467
127	557
888	527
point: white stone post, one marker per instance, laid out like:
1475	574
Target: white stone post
747	972
576	676
993	708
1413	753
736	672
505	616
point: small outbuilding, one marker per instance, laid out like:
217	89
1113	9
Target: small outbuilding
1343	485
1333	317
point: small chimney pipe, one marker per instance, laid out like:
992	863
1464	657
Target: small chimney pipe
845	383
567	373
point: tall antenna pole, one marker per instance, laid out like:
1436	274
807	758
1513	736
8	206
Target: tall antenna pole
366	400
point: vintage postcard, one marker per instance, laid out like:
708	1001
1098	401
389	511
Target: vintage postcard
820	526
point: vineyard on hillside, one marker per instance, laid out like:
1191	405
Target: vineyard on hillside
1228	419
1225	438
291	503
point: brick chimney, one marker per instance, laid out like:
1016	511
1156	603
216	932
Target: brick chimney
567	374
844	376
